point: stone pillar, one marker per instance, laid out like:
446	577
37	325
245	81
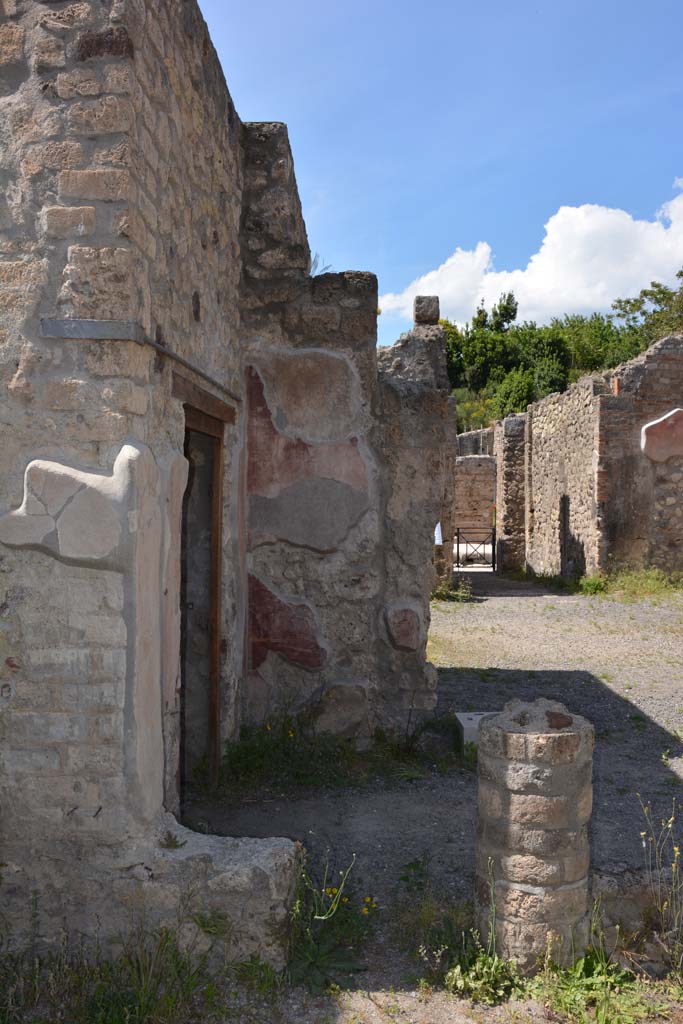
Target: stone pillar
509	447
535	798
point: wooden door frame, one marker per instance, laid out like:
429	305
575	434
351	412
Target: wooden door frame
201	423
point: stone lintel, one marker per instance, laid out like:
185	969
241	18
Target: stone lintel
92	330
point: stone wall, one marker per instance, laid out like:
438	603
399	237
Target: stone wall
640	501
594	500
153	258
476	442
510	499
121	160
474	493
339	546
562	533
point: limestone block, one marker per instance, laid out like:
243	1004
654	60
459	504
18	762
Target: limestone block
98	283
81	82
662	439
11	44
107	185
68	221
426	309
54	156
105	116
48	53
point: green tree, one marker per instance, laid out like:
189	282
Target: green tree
515	392
655	312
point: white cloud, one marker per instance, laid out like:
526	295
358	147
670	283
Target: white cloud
589	256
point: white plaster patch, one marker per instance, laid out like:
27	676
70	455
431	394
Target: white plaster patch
662	439
89	527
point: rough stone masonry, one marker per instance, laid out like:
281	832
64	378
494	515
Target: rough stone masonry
160	333
535	799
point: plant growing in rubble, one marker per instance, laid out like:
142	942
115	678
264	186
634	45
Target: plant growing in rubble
330	923
662	846
448	590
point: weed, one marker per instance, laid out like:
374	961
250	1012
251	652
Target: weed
469	756
446	589
624	584
153	979
591	585
483	976
257	976
330	924
662	845
594	988
286	757
283	756
171	842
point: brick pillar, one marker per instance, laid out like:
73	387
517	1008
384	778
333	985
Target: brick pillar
535	798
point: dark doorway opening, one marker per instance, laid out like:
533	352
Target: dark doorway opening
201	599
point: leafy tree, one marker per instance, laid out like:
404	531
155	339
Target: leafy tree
498	366
516	391
655	312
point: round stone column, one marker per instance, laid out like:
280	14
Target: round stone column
535	799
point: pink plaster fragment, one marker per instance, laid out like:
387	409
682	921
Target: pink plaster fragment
662	439
404	628
276	461
283	627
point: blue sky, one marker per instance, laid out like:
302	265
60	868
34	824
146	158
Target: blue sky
542	132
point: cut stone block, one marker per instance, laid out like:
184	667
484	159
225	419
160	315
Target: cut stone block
468	724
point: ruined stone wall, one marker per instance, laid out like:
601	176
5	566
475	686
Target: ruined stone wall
641	501
337	631
474	493
562	535
153	256
510	497
414	435
476	442
121	165
594	499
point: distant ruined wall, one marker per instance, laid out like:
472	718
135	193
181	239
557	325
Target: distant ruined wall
594	500
641	501
476	442
509	443
562	535
474	493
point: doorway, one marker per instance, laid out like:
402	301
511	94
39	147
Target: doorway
201	553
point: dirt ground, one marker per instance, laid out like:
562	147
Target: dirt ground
620	665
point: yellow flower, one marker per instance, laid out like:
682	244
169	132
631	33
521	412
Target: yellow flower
335	890
268	727
368	899
373	905
291	734
365	910
328	891
677	851
345	899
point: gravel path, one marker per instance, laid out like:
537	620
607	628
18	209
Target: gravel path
619	665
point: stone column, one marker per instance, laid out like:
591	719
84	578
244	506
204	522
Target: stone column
535	798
